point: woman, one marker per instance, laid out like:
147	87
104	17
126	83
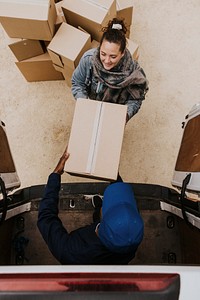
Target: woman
108	73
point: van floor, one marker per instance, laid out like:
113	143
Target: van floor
160	245
167	238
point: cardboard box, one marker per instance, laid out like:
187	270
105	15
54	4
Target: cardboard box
60	15
95	44
133	48
67	74
59	8
91	15
96	139
125	11
24	48
39	68
68	45
28	19
67	77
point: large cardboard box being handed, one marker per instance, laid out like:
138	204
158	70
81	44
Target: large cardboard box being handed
96	139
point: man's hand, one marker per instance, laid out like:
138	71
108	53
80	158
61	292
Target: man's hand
59	169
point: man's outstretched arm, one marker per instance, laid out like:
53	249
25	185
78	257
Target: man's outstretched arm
49	224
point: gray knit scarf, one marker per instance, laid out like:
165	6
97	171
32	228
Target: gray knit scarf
124	79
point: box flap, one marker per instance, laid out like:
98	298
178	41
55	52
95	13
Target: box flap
41	57
133	48
39	68
123	4
56	59
25	48
125	10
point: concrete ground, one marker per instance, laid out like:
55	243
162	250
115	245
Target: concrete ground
38	115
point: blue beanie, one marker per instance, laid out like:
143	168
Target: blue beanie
121	228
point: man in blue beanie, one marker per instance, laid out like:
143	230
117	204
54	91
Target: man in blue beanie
111	240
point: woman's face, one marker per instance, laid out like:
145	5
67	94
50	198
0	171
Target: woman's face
110	54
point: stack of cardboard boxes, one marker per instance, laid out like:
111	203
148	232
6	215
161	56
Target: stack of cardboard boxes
28	24
48	38
65	56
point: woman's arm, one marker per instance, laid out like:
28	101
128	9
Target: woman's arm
137	91
133	107
81	78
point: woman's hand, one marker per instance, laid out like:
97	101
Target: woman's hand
127	118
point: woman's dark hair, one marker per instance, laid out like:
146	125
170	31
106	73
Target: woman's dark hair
115	32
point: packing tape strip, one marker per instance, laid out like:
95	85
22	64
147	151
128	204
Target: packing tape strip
97	139
93	142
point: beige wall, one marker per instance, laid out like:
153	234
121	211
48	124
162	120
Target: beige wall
38	115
